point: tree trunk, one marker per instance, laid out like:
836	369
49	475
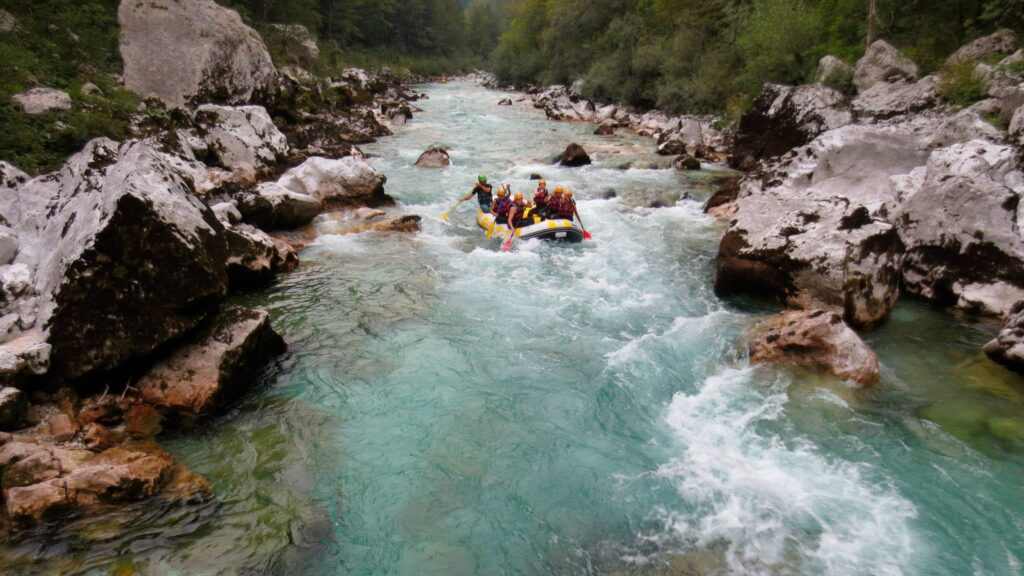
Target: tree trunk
872	18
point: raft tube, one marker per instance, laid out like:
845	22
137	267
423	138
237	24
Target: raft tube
560	230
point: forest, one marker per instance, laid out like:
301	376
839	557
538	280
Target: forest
713	55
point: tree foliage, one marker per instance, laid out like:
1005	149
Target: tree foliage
707	55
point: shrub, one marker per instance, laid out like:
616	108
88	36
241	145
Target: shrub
960	84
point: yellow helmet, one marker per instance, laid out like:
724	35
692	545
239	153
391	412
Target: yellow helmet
568	193
518	196
543	182
559	190
501	192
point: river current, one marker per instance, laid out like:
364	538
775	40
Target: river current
448	409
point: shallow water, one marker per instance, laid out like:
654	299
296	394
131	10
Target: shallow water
448	409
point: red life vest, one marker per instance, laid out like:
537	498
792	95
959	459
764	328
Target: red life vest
567	209
541	197
504	204
554	203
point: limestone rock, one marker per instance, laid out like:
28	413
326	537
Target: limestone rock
63	427
271	206
227	212
606	128
1008	347
1016	129
505	102
815	339
42	100
254	258
224	362
784	117
834	73
187	52
337	182
299	46
886	100
686	162
959	222
882	63
13	406
1002	41
126	257
575	156
436	157
243	139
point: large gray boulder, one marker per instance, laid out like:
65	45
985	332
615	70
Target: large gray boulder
436	157
882	63
1000	42
815	339
337	182
42	100
188	52
254	258
243	139
785	117
271	206
959	223
125	257
887	100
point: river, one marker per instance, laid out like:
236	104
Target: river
449	409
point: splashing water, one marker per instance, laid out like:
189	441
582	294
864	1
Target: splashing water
576	409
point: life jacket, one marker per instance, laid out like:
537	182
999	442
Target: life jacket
504	205
540	198
567	209
554	204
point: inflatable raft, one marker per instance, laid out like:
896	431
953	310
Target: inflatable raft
558	230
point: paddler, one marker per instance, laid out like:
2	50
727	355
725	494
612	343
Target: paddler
517	212
501	205
567	208
554	202
540	198
482	191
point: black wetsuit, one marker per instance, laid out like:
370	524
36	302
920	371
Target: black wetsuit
483	195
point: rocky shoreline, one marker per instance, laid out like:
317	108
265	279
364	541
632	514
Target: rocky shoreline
859	189
116	267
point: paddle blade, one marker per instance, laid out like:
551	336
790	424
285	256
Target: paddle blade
444	217
587	236
506	245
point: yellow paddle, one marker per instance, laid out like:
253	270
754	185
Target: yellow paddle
444	217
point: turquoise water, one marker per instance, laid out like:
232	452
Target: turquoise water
448	409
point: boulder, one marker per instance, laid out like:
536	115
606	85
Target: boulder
400	115
340	182
436	157
783	118
886	100
671	146
254	258
126	258
882	63
42	100
62	427
1007	348
224	362
227	212
606	128
242	139
686	162
23	355
187	52
505	102
298	47
1000	42
834	73
271	206
90	89
13	408
958	222
574	156
1016	129
815	339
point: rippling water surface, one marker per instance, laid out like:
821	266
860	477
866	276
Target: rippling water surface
448	409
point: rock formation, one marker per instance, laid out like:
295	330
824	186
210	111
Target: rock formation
574	156
436	157
42	100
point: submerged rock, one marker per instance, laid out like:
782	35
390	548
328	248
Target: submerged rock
224	361
436	157
42	100
815	339
186	52
574	156
606	128
882	63
686	162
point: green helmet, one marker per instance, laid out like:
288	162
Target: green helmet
482	178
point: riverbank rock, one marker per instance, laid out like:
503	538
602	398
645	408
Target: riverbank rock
686	162
271	206
44	483
889	99
436	157
224	361
126	258
815	339
254	258
606	128
337	183
1000	42
959	225
13	408
882	62
505	102
242	139
574	156
834	73
1008	347
783	118
42	100
187	52
296	43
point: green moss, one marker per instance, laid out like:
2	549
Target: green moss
960	84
